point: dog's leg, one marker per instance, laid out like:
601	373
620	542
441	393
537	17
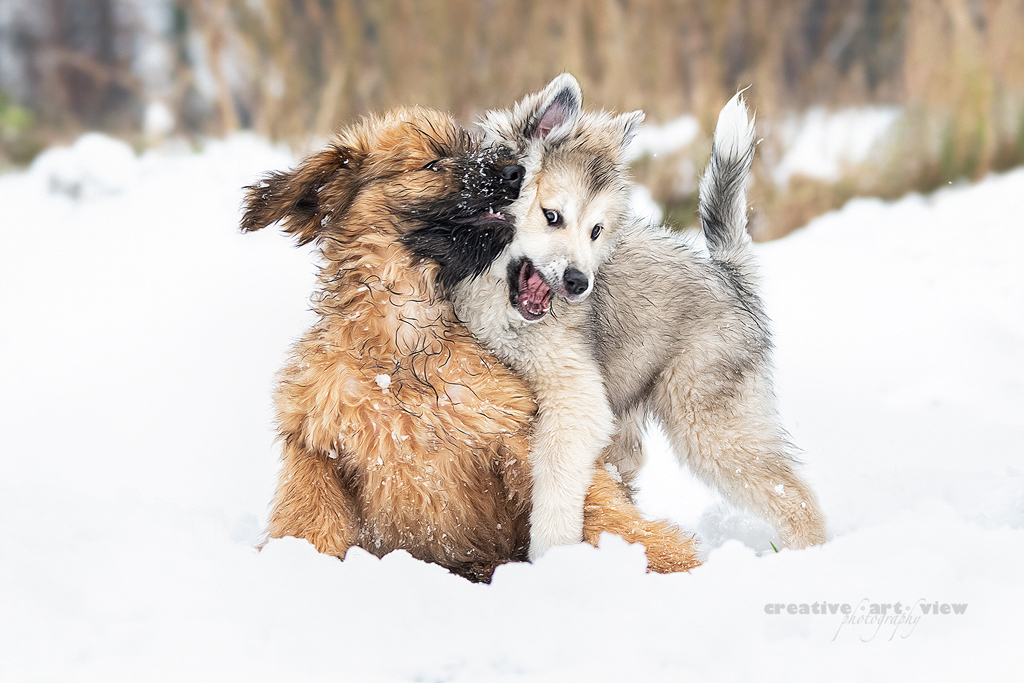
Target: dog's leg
607	508
574	423
626	451
311	502
733	441
716	402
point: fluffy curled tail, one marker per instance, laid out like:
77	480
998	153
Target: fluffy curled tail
723	195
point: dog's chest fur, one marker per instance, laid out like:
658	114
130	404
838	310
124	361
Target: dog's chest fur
396	344
528	348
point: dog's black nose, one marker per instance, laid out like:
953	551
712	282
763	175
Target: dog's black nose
575	281
513	175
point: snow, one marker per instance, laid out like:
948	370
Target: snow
95	165
157	121
644	206
821	144
653	139
139	337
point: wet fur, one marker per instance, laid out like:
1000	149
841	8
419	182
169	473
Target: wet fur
664	332
398	430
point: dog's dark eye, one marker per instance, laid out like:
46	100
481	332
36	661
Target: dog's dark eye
596	231
552	217
432	165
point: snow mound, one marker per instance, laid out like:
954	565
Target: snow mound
94	166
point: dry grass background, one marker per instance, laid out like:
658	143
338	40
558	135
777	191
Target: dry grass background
296	69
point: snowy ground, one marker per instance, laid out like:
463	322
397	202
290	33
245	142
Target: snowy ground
139	333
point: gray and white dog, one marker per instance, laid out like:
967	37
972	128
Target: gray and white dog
612	321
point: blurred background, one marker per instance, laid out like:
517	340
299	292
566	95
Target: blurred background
853	97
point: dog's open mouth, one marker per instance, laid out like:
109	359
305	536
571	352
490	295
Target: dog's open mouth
529	294
487	217
491	216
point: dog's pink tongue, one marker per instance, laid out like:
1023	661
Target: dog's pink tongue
534	295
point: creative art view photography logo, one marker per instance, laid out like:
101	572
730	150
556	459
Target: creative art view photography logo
869	620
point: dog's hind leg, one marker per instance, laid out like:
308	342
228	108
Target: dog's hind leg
732	440
607	508
626	452
312	502
716	402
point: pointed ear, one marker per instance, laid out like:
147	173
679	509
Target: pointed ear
629	124
557	109
302	198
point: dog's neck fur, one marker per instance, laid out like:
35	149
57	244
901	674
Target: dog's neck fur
483	305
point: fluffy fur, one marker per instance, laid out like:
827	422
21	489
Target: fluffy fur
398	429
613	322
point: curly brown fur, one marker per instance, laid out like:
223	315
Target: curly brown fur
399	430
608	507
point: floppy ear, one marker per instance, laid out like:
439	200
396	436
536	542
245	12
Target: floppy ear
556	111
302	198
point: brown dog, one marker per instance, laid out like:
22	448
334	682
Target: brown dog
399	430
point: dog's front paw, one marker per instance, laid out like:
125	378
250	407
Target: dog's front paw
537	548
545	534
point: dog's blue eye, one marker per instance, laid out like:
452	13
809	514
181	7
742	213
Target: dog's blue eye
596	231
552	217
